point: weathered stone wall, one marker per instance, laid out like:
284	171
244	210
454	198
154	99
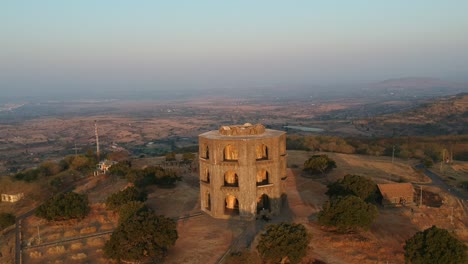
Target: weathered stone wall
247	191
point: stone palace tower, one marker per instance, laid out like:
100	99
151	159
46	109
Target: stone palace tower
241	170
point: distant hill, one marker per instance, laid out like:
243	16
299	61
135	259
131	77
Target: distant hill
441	116
417	86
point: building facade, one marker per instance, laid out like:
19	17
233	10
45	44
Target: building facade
396	194
242	169
12	198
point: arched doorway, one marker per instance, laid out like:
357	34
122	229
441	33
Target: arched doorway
231	205
263	204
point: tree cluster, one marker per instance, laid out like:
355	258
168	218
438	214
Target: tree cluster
283	241
405	147
64	206
142	177
349	207
347	213
160	176
143	235
130	194
319	164
80	163
6	220
357	185
121	168
434	246
46	169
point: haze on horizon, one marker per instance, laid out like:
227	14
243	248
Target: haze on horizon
74	47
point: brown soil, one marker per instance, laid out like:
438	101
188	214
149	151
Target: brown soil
203	239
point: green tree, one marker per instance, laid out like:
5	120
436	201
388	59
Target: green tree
357	185
64	206
171	156
6	220
319	164
121	168
144	235
188	156
160	176
283	241
136	177
80	163
29	175
428	163
50	168
434	245
347	213
126	211
115	200
56	184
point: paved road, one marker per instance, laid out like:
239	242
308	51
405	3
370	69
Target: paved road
437	180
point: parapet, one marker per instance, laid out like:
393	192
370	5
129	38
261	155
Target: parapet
242	130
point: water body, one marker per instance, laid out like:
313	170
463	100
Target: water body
306	129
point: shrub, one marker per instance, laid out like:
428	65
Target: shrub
360	186
144	235
6	220
64	206
347	213
284	240
116	200
434	245
121	168
126	211
319	164
160	176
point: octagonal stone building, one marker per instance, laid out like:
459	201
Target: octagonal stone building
242	168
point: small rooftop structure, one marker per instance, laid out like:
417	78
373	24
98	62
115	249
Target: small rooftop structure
12	198
242	130
396	194
104	166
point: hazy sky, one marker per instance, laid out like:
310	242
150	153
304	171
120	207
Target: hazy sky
91	45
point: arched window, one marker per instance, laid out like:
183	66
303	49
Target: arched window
207	153
261	152
230	153
262	177
231	205
231	179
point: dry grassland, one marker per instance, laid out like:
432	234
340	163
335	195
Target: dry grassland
203	239
453	174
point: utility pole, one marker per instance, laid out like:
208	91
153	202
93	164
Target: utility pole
38	234
97	140
420	198
76	149
451	217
